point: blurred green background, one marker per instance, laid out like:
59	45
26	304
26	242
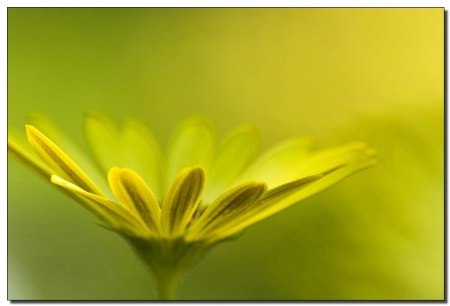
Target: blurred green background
338	75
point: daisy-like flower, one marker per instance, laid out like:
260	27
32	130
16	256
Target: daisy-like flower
174	210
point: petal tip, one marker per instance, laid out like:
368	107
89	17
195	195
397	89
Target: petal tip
30	128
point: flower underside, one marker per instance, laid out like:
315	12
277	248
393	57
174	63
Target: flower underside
173	209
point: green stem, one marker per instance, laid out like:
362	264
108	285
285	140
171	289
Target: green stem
168	285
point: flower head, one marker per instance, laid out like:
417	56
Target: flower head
173	210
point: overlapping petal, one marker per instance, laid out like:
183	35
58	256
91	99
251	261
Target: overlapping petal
286	195
174	200
142	153
116	216
132	192
18	149
182	200
236	151
102	136
52	131
193	144
274	165
62	164
229	206
132	146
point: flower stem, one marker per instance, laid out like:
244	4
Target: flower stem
168	285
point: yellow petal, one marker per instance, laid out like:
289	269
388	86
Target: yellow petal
143	154
234	154
182	200
48	127
102	136
59	161
274	165
113	214
133	146
192	144
52	131
225	209
287	195
18	150
326	159
131	192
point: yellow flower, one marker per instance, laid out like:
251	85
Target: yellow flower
168	209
